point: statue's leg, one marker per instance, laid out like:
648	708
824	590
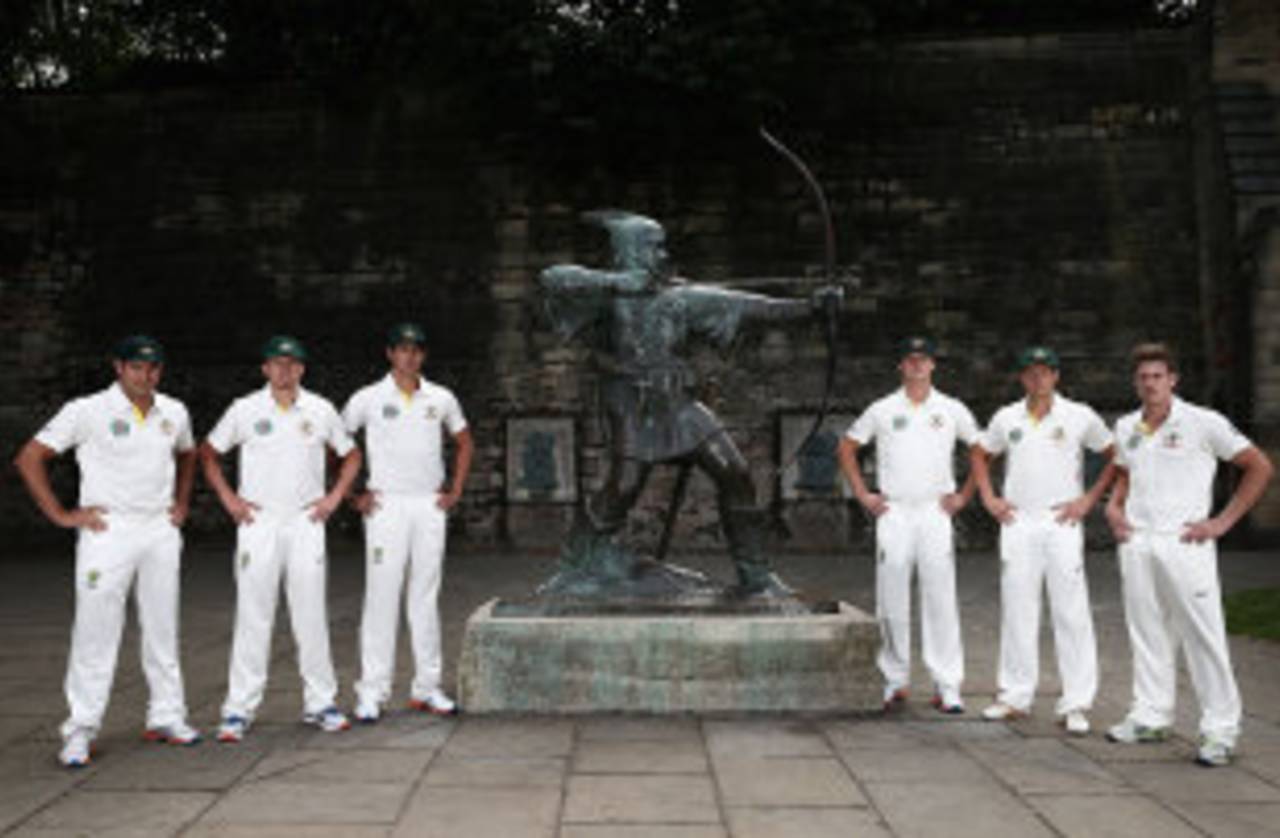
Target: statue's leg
742	519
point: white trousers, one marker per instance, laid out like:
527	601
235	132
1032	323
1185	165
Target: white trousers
148	549
405	533
276	546
1037	552
1172	599
917	537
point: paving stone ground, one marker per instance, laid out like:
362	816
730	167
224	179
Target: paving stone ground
917	773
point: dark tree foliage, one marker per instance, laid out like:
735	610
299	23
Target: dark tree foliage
548	57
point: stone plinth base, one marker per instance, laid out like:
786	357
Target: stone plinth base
669	664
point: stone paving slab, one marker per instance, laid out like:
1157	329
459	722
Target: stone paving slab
481	813
916	763
648	830
1045	766
120	813
516	737
156	767
786	781
480	772
1186	781
395	767
674	799
956	811
1090	816
412	731
292	830
1233	820
640	729
332	802
805	823
629	757
765	738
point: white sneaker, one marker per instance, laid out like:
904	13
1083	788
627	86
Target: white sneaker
1129	732
329	720
233	729
75	749
1076	723
368	712
1001	712
180	733
947	700
436	702
1213	752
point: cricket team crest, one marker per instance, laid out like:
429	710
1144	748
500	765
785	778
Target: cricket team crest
433	412
1059	435
306	427
1173	440
166	427
936	421
92	578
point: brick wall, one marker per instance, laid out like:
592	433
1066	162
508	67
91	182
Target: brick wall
991	192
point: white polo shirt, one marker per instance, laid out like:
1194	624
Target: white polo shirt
915	443
1045	457
126	458
1171	470
404	433
282	455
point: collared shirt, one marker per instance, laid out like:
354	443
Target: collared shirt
282	456
125	457
915	443
404	433
1171	469
1045	456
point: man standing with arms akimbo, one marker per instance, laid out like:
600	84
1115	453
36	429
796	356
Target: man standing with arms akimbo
1167	454
915	431
404	418
137	466
1043	438
280	510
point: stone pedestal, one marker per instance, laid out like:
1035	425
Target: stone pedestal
669	664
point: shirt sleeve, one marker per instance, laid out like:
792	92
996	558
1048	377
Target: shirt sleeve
336	433
1096	437
1122	446
454	419
966	426
66	429
1225	441
353	413
863	429
184	440
227	433
993	439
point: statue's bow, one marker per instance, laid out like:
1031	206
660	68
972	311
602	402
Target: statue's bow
831	302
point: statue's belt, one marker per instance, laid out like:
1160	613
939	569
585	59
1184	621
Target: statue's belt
655	380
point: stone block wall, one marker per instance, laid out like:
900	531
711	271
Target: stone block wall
991	192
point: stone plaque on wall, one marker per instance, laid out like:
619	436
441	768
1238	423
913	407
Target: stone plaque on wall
541	460
812	473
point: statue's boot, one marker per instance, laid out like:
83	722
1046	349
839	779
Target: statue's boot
744	529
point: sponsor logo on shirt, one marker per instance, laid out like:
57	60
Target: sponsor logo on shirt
377	555
390	411
93	577
262	427
119	427
1135	441
899	422
244	559
1015	435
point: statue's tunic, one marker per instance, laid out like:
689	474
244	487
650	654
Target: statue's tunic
648	389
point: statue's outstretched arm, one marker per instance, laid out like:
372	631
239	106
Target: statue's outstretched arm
575	278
